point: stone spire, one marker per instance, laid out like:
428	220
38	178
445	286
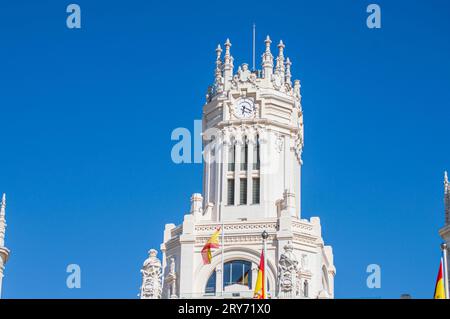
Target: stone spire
280	59
228	65
267	59
447	198
218	72
4	252
288	72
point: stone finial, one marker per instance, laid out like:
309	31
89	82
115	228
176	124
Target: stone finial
196	203
280	58
297	92
218	71
3	205
446	184
218	52
227	51
268	42
288	71
228	65
281	47
267	59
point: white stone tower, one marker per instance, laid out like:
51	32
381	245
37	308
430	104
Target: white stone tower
253	142
4	252
445	231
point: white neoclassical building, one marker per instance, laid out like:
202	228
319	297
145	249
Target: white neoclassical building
4	252
445	230
253	143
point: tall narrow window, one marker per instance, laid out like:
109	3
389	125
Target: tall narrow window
256	154
244	156
243	191
230	192
255	195
231	157
305	289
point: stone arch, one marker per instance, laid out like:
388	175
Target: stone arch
203	272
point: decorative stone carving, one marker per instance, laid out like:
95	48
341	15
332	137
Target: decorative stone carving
171	280
288	273
151	277
297	87
243	75
279	143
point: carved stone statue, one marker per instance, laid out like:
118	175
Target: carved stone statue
172	279
151	277
287	273
243	75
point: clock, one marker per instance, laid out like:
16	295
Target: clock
244	108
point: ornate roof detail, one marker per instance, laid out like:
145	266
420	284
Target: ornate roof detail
447	198
278	77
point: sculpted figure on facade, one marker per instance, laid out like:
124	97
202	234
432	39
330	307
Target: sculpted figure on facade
151	277
243	75
288	273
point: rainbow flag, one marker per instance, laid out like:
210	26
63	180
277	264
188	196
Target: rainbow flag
213	242
439	290
260	290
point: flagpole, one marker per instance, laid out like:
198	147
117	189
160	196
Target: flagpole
264	236
223	248
253	46
445	270
221	220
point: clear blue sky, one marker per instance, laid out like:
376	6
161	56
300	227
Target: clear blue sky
86	117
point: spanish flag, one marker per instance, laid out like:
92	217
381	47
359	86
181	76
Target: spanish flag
213	242
439	290
243	280
260	290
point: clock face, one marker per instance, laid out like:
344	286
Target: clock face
244	108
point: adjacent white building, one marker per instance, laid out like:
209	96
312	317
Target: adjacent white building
253	143
445	231
4	252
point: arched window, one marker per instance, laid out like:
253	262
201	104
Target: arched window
256	155
231	156
236	272
244	154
